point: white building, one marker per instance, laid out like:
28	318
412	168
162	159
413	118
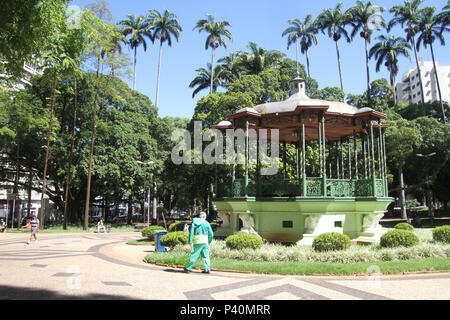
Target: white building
409	89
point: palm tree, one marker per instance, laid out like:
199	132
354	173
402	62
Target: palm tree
259	59
305	32
386	52
430	30
366	17
216	30
409	15
137	30
164	27
231	66
203	79
444	17
334	21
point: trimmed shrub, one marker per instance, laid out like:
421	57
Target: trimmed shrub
241	241
331	241
398	238
404	226
176	226
442	234
149	231
175	238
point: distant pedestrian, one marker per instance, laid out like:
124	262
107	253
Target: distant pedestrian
34	224
2	225
200	237
100	225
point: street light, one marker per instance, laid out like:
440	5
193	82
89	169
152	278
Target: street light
145	193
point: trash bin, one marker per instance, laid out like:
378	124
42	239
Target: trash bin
158	235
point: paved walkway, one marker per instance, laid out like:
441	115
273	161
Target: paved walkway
103	266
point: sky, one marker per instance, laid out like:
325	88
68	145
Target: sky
260	21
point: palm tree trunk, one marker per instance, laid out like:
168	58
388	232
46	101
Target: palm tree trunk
339	65
367	68
212	68
395	92
47	153
413	42
134	72
94	126
307	63
444	118
296	56
66	193
159	73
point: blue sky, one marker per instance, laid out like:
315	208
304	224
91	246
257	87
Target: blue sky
261	21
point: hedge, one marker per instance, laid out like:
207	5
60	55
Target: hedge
404	226
176	226
442	234
331	241
241	241
398	238
175	238
148	232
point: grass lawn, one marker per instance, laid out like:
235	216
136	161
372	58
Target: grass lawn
142	241
307	268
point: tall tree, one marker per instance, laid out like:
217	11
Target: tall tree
216	32
259	59
136	29
366	17
305	32
334	22
409	15
203	79
429	30
386	52
231	67
164	26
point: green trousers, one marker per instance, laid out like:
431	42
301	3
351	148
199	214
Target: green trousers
203	250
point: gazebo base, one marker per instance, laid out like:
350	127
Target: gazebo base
300	220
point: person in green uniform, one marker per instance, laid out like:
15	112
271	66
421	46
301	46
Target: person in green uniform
200	236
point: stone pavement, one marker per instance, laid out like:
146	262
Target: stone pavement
103	266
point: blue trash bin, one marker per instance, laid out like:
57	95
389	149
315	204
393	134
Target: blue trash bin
158	235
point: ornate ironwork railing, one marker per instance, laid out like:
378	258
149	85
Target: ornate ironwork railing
336	188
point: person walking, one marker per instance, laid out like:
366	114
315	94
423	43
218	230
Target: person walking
34	223
200	237
2	225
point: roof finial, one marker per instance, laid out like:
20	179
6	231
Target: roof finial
298	84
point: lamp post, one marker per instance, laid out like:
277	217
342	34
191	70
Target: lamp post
145	193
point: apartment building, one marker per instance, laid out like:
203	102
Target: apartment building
409	89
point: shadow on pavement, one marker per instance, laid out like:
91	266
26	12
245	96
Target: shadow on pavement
21	293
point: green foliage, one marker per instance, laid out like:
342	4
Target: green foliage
214	225
404	226
241	241
331	241
173	239
442	234
398	238
149	232
176	226
332	94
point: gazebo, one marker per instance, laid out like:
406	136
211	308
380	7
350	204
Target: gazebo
332	175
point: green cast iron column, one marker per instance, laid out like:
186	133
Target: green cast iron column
324	171
246	159
355	150
320	145
374	191
380	155
349	160
342	157
284	160
363	143
258	164
384	164
303	163
337	160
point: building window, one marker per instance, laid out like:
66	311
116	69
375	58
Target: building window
288	224
428	93
414	96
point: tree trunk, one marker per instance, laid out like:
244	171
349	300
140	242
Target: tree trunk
159	73
307	63
134	72
402	193
47	153
130	209
413	42
367	69
30	184
66	193
296	56
339	65
444	118
88	191
212	69
394	91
